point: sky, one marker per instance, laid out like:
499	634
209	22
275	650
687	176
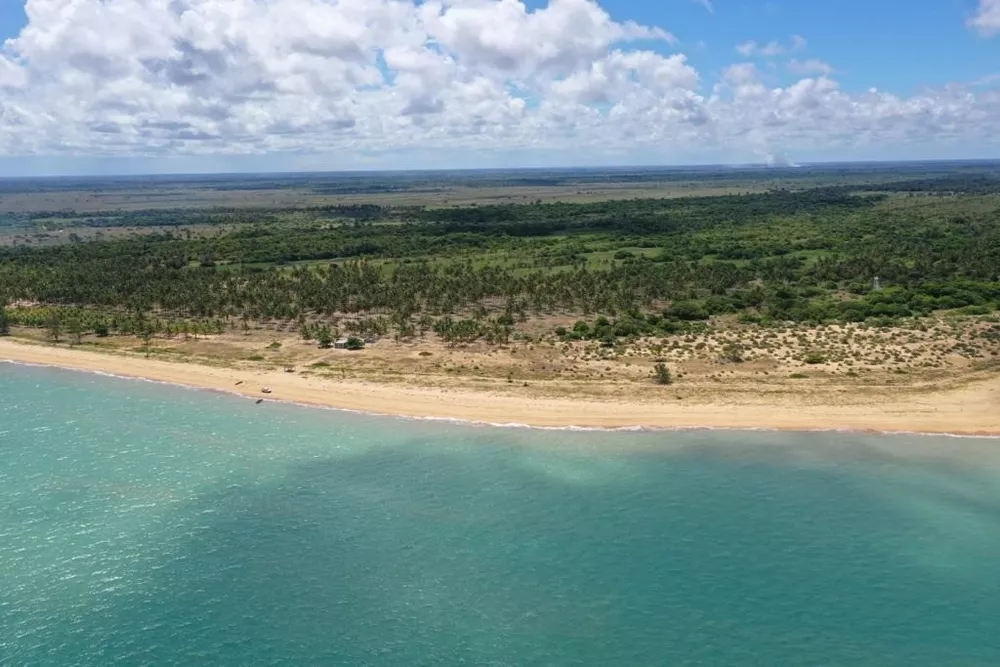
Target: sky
190	86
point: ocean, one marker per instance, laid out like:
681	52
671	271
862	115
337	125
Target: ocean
149	524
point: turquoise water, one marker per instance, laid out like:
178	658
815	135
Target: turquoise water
149	524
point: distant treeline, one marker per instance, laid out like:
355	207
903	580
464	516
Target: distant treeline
179	217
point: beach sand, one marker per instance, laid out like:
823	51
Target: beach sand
971	409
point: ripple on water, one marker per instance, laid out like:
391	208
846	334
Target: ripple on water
146	524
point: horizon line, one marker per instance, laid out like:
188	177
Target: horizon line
786	166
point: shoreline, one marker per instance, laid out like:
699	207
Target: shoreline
970	411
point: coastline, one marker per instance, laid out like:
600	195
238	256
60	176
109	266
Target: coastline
972	410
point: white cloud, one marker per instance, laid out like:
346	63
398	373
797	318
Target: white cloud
809	67
504	36
362	78
740	73
620	75
707	4
12	75
987	18
752	49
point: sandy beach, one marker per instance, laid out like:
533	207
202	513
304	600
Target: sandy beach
973	409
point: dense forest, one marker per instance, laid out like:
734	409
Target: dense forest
656	266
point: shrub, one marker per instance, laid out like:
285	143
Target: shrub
663	375
733	353
687	310
324	337
355	343
814	358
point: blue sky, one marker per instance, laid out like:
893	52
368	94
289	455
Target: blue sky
896	45
486	88
12	18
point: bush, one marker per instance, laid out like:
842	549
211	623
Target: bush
687	310
733	353
663	375
814	358
355	343
324	337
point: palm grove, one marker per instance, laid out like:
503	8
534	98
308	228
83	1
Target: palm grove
624	268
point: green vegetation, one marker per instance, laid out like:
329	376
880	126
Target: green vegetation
876	247
663	375
324	337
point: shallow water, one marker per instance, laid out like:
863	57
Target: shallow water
150	524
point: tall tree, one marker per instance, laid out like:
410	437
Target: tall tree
147	339
75	329
53	326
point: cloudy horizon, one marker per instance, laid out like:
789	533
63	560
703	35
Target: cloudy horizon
172	86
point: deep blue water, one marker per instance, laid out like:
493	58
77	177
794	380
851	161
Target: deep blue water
149	524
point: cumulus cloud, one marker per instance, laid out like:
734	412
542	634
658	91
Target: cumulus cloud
503	35
374	77
12	75
987	18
